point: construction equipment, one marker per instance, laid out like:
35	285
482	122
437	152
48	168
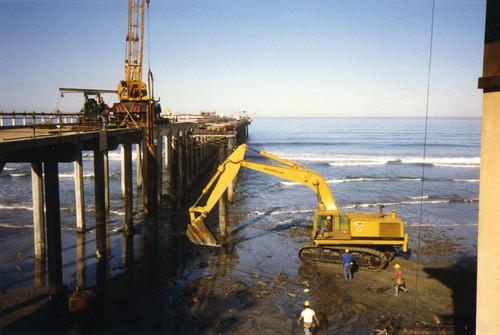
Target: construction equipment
132	90
94	108
372	238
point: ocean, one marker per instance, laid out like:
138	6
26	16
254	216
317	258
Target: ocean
426	170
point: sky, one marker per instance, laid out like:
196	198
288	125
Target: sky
270	58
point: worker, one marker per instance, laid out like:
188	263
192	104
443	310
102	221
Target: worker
101	106
309	317
103	112
399	280
327	227
347	264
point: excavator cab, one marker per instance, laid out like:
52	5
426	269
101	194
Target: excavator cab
331	225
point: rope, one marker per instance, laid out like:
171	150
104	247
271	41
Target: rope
417	274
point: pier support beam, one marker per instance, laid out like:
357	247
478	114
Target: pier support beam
128	196
106	180
81	266
138	167
38	210
488	273
159	167
150	189
173	167
53	215
100	217
223	200
231	143
79	195
181	155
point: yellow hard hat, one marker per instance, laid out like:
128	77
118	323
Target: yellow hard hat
306	303
396	266
328	217
346	250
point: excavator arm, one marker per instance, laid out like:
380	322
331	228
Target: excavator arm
199	233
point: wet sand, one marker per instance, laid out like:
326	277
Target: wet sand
257	286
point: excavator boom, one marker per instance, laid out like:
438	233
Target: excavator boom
199	233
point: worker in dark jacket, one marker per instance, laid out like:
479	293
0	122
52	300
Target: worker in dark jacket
347	264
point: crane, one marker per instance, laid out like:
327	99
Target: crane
132	88
134	99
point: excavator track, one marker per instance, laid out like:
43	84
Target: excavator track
366	258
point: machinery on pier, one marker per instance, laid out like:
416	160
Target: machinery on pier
93	107
372	238
135	100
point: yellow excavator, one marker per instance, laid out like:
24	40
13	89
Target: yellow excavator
372	238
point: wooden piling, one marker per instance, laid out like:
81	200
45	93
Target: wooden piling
181	158
223	200
38	210
81	266
174	168
159	167
100	217
79	194
231	143
127	191
106	180
53	215
138	167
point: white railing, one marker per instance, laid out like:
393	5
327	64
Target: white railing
13	119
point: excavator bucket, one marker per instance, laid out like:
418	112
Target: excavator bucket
199	233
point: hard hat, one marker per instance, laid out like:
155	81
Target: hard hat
328	217
396	266
346	250
306	303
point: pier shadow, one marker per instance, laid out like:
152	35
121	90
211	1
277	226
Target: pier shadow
50	317
461	278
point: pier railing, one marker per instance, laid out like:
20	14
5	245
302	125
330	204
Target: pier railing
17	119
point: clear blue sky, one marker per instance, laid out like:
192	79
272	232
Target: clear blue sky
267	57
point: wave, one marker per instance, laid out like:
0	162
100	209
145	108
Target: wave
458	180
281	212
358	179
354	179
442	225
16	207
420	197
424	201
115	155
368	160
71	175
16	226
19	175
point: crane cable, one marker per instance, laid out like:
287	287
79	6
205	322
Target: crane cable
423	163
147	37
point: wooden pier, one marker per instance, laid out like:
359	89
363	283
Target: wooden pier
29	138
